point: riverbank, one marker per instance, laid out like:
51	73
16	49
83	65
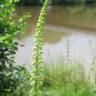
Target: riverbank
60	81
65	16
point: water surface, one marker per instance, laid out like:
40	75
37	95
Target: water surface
70	36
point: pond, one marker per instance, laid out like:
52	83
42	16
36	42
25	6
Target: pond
70	36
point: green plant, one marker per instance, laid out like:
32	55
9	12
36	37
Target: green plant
36	78
9	30
22	76
59	81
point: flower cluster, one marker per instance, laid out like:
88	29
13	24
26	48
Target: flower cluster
36	78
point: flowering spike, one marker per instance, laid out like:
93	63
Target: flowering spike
36	75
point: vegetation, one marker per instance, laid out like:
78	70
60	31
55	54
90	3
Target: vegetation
9	29
53	80
67	82
36	79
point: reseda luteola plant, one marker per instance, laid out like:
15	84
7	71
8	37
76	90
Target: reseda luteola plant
36	78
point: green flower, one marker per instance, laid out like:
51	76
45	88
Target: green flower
36	75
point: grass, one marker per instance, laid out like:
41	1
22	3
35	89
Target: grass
71	80
59	81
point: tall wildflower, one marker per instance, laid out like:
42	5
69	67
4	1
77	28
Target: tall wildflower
36	75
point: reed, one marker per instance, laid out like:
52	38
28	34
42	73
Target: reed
36	75
59	81
92	67
68	60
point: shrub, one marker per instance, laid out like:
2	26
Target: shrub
9	30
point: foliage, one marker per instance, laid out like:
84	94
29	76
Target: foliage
9	29
22	76
36	79
15	83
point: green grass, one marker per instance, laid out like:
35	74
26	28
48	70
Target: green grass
59	81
